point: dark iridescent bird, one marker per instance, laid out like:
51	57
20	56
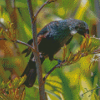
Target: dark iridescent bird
50	40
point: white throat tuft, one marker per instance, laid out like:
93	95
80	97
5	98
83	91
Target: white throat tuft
73	32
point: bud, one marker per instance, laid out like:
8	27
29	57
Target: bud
77	57
83	45
89	42
70	56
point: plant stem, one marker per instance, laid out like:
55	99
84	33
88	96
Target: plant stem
10	5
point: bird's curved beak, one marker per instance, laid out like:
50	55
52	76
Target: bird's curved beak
86	35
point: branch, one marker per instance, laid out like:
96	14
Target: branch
35	45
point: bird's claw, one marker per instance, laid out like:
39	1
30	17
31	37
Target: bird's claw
59	61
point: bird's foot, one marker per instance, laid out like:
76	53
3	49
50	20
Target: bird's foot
59	63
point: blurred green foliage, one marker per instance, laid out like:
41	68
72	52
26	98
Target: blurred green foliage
68	82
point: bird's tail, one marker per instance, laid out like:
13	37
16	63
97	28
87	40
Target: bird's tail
31	72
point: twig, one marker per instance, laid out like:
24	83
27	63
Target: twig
38	62
20	42
56	66
90	90
40	8
35	16
47	2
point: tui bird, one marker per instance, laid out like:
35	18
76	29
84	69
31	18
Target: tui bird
50	40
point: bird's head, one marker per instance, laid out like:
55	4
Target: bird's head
80	27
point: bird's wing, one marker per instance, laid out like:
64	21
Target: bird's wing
40	36
28	50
